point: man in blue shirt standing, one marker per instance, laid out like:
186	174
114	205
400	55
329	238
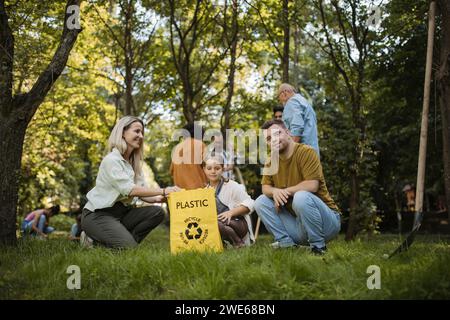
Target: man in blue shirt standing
299	116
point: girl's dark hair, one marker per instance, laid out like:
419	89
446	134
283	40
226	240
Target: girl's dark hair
55	209
278	108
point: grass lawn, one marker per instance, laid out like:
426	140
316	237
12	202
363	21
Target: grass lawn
36	269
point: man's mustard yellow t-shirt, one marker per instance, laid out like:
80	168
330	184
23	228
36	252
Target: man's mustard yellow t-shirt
304	164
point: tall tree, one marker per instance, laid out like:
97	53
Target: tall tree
197	52
275	20
443	84
129	35
347	41
16	111
286	41
232	42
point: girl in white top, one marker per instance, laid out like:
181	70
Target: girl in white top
234	204
109	217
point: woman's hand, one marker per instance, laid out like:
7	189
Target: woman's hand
169	190
225	217
158	199
154	199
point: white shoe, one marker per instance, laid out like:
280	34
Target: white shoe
279	245
85	241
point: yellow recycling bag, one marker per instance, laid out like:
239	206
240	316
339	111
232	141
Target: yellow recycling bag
193	221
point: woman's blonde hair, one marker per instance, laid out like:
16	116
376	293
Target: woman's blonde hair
116	140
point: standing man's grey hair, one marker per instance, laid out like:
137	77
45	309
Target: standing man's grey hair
285	91
286	87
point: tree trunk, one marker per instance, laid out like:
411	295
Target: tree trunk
129	103
296	58
444	93
354	225
6	63
188	112
159	179
12	134
16	112
354	207
225	120
129	57
286	34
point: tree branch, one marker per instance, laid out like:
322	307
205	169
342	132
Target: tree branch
44	83
6	61
344	30
141	49
171	43
333	55
113	34
280	54
200	105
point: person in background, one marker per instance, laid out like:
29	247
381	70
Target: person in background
278	113
186	166
36	223
75	231
299	116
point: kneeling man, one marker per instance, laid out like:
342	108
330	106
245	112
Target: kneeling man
295	205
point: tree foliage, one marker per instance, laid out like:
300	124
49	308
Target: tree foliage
365	83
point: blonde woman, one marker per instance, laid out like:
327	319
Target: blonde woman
109	217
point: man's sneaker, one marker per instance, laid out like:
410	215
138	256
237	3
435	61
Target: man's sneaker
85	241
280	245
319	251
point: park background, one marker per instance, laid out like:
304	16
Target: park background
360	63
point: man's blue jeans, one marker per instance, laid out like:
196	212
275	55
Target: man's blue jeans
26	226
315	223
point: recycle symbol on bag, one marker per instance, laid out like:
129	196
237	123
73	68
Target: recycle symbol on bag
193	231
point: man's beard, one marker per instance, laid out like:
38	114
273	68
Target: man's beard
282	148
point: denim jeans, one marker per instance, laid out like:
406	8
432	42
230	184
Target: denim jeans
314	224
26	226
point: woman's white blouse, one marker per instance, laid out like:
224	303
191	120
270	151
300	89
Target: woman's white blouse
115	180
